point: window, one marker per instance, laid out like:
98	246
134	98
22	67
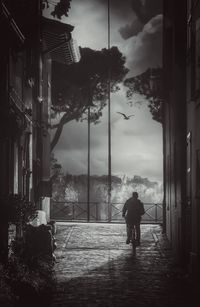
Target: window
175	173
189	168
198	173
193	45
197	55
16	169
189	24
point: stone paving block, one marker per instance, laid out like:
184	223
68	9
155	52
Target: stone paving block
95	267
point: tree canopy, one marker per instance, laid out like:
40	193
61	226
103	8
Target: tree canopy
148	84
61	8
77	86
57	180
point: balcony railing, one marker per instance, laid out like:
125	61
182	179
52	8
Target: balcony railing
100	212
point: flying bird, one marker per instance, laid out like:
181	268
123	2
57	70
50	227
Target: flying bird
126	116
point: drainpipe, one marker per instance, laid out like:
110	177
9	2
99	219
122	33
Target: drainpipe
39	101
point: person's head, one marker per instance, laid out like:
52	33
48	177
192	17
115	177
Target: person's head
135	195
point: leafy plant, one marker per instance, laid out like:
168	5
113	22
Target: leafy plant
17	209
141	84
25	285
77	86
61	8
6	293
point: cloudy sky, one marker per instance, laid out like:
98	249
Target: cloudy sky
136	29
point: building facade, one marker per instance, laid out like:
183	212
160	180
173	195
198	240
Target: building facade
18	93
193	129
30	44
181	129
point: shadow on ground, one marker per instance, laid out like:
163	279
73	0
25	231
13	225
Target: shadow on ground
109	275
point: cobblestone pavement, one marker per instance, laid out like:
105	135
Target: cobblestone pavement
95	267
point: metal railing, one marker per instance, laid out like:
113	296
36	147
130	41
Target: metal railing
100	212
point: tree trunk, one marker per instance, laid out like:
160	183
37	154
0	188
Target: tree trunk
57	135
64	120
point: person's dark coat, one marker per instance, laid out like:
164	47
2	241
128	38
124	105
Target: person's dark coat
133	210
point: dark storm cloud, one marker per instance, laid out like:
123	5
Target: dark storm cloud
146	9
145	49
131	29
143	12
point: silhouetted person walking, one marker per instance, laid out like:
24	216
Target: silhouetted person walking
132	211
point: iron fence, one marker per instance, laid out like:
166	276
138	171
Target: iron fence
100	212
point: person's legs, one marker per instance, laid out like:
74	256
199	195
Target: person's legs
128	230
137	228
